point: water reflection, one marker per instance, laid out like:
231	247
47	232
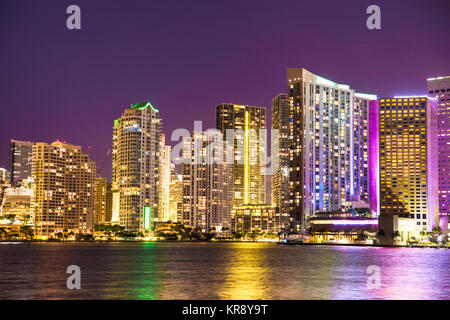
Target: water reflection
220	271
246	276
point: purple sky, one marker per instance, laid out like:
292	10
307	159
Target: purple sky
188	56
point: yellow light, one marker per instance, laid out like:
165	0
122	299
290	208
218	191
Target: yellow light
247	157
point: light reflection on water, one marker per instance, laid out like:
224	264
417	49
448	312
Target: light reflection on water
220	271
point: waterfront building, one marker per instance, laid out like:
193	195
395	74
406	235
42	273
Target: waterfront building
408	160
21	153
63	189
102	201
240	126
439	88
164	181
343	226
329	145
135	167
207	183
280	152
258	219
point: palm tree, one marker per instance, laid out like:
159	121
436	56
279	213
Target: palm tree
27	232
396	234
3	233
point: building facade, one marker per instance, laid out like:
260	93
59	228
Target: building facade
135	167
240	126
175	196
408	159
63	189
258	219
281	144
440	89
21	153
207	184
164	181
329	150
16	206
5	176
102	201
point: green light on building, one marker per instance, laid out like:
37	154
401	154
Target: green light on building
144	105
147	218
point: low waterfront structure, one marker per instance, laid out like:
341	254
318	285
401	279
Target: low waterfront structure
258	219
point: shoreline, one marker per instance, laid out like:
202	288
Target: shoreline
223	241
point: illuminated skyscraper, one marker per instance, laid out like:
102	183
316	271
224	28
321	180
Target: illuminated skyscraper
164	180
21	158
135	168
408	159
329	145
63	189
440	89
103	201
176	196
248	175
207	195
281	143
362	108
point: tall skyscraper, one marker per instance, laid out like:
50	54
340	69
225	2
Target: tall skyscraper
207	178
176	196
408	159
362	108
281	143
63	189
164	180
248	174
102	201
20	160
440	88
135	168
327	120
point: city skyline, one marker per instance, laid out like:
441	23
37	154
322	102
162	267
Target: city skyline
218	68
250	152
336	135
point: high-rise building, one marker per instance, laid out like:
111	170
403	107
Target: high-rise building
135	168
207	195
164	181
103	201
281	143
329	143
363	107
62	190
176	196
440	88
408	159
240	126
20	160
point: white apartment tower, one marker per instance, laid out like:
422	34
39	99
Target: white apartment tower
135	168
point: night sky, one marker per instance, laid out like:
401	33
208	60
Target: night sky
188	56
